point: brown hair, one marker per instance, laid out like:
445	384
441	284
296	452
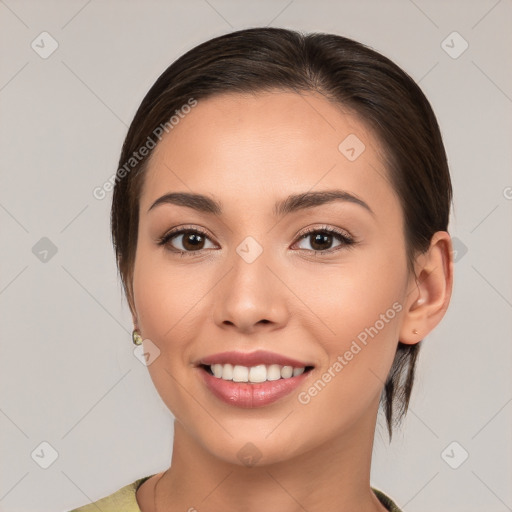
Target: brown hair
346	72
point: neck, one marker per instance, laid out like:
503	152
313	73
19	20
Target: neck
334	476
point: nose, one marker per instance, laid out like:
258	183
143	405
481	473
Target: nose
251	297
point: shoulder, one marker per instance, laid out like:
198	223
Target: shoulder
123	500
386	501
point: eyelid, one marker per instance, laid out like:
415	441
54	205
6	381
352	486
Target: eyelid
179	230
331	229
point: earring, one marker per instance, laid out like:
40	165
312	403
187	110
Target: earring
136	337
415	331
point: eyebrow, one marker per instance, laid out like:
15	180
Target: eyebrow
290	204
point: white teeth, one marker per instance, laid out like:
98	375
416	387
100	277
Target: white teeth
274	372
217	370
240	374
286	372
254	374
258	373
227	371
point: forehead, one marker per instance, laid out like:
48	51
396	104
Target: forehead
237	146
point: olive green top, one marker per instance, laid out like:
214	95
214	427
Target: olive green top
124	500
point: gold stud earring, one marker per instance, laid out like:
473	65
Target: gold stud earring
136	337
415	331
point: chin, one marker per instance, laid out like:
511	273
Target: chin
254	450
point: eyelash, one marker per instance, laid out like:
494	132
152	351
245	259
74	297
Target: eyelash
344	237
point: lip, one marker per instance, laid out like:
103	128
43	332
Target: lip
252	359
251	395
248	395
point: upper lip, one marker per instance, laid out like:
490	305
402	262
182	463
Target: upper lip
251	359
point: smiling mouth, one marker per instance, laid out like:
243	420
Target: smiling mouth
254	374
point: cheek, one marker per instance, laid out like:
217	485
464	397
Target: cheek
159	286
164	299
360	346
361	303
160	297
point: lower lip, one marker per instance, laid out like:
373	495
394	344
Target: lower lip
247	395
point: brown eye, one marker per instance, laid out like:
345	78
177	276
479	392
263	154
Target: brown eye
186	241
192	241
321	240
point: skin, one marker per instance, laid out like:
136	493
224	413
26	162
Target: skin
249	151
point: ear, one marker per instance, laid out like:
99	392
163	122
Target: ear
430	290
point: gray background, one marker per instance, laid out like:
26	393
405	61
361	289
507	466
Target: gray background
68	373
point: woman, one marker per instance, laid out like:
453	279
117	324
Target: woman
280	220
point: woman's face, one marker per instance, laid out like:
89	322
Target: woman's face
249	281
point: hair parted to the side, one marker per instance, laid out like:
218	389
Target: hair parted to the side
346	72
